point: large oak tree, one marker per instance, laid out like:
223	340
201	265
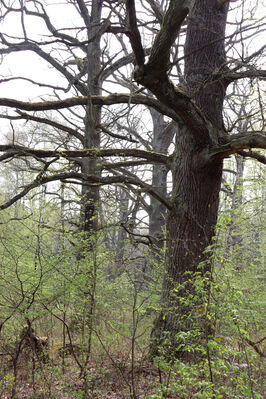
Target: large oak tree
206	67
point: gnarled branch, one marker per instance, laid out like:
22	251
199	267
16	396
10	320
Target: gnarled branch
20	151
238	142
112	99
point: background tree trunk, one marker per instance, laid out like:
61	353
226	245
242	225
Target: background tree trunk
233	238
90	195
163	134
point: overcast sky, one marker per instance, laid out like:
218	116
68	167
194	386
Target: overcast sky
31	66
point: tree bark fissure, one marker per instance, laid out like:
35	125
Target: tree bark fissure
196	183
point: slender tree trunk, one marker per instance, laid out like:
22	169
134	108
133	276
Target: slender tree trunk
123	215
232	237
162	138
90	195
196	185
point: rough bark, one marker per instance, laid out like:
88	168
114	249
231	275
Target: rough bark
189	231
90	195
196	186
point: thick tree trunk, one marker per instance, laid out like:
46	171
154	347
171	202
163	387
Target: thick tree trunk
190	225
196	187
190	228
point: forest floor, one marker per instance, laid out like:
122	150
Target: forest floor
111	379
116	378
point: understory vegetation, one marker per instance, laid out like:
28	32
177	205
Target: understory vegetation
71	327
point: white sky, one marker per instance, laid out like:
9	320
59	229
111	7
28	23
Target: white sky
31	66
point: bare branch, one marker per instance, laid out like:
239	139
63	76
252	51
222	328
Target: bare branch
159	59
64	37
237	143
84	12
96	100
125	164
9	79
134	34
115	135
52	123
249	73
36	182
255	155
150	239
90	180
21	151
26	45
155	6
